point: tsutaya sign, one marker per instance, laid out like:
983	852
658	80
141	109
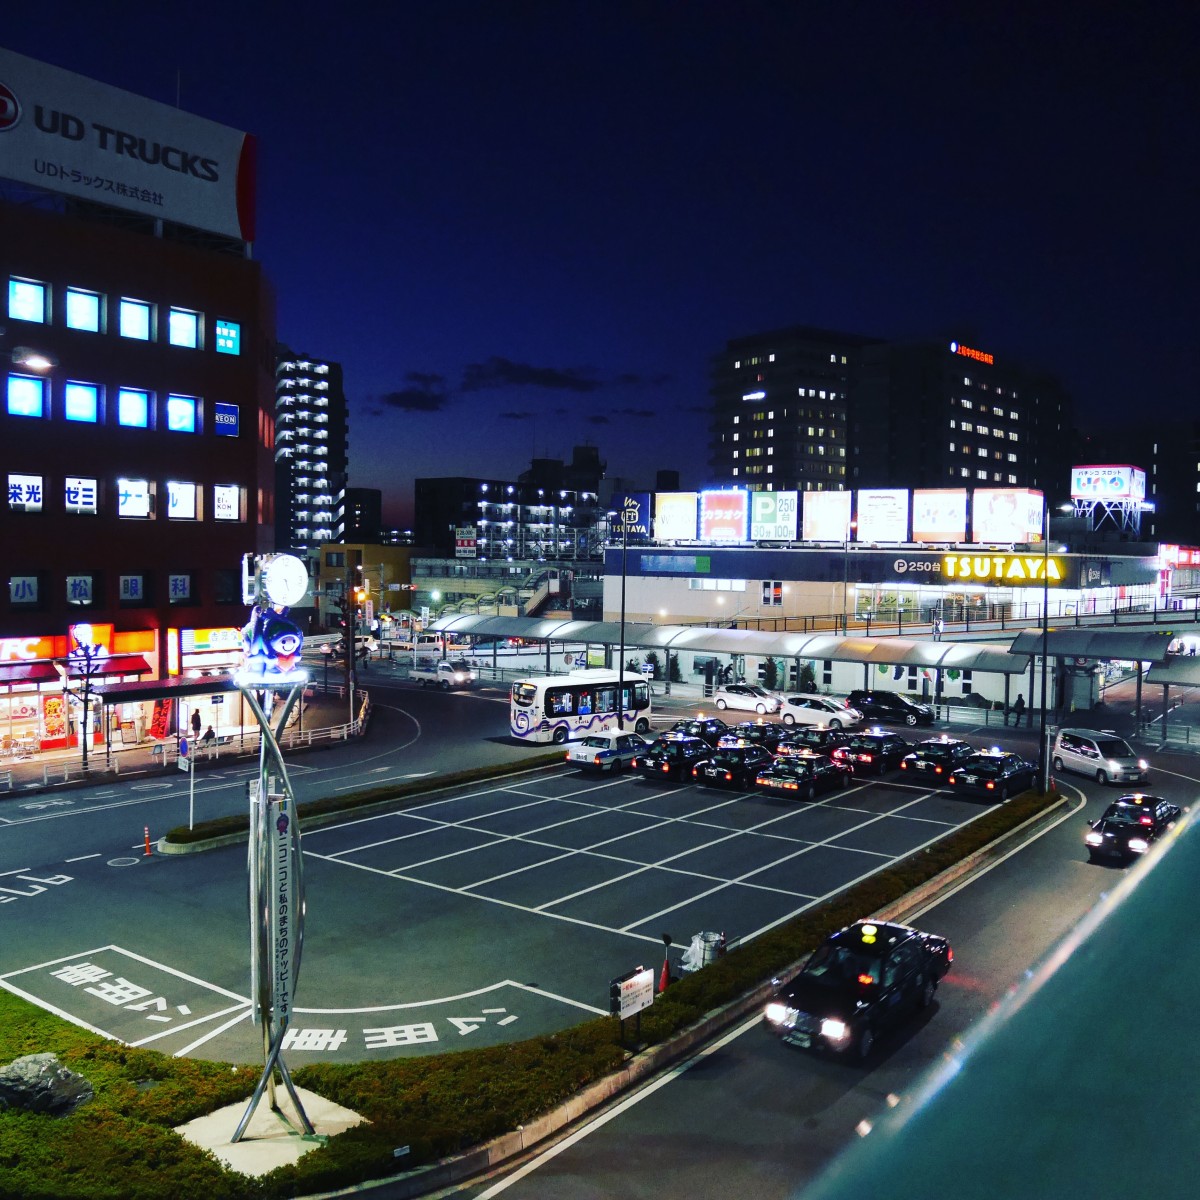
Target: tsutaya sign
1014	569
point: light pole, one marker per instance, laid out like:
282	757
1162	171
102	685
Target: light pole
850	528
626	515
1043	748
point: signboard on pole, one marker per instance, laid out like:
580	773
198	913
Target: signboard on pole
465	541
184	763
282	893
629	994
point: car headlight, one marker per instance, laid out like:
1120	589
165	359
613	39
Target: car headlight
1143	765
1093	838
1138	845
777	1013
834	1030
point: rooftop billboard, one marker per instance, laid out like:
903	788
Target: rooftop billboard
883	515
724	515
1108	483
826	516
773	516
74	135
1006	515
675	516
939	515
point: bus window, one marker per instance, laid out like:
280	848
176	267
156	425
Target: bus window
560	702
606	699
584	706
524	694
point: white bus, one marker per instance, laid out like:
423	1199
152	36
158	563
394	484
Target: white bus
554	708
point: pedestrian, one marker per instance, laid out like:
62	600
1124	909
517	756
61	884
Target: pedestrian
209	736
1018	710
195	722
938	626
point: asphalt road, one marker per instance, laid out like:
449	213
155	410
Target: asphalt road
752	1117
480	916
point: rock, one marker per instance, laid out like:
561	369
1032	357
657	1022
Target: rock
40	1083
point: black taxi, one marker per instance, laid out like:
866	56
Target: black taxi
937	757
873	751
671	756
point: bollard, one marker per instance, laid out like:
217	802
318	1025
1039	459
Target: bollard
147	854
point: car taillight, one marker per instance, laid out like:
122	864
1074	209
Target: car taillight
666	766
903	765
866	758
1147	821
953	780
990	785
567	756
596	760
937	770
728	777
865	979
761	779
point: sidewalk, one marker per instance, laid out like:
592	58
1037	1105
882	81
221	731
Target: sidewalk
51	770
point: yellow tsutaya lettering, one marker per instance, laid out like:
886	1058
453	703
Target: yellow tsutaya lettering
982	567
1015	570
951	561
1052	571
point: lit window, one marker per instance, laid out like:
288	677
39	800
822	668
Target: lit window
26	396
25	493
182	416
183	328
228	337
79	495
133	498
134	321
133	408
81	402
181	501
27	300
83	310
968	427
227	502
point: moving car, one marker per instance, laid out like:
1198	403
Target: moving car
803	776
748	696
994	773
1127	826
671	756
734	766
1098	753
873	751
610	750
859	982
708	729
890	706
936	757
819	710
756	733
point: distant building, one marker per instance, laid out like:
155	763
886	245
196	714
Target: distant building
812	409
311	448
363	515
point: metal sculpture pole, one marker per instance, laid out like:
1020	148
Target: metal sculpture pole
276	906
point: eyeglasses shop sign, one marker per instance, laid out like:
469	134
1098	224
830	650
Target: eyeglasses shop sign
997	570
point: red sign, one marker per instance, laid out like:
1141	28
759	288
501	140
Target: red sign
968	352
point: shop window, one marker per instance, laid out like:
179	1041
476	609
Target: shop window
135	498
25	493
134	320
181	501
81	402
183	328
23	591
133	408
80	496
183	414
26	396
179	588
83	591
133	589
227	502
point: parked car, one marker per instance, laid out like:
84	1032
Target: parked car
802	738
1098	753
994	773
708	729
734	766
755	733
859	982
610	750
803	776
1129	825
746	696
819	710
873	751
936	757
890	706
671	756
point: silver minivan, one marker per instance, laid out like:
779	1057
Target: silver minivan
1099	753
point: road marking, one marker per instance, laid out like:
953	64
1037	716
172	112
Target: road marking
81	858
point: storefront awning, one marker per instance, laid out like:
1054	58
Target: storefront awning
165	689
27	672
118	664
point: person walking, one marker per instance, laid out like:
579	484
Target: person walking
195	722
938	626
1018	710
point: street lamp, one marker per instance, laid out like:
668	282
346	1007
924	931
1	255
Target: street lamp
850	528
1043	748
628	514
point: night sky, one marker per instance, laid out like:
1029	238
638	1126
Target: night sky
526	226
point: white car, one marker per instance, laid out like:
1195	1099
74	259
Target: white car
819	710
610	750
748	696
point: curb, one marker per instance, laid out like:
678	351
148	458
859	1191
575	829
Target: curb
457	1169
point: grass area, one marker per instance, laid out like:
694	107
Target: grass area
122	1143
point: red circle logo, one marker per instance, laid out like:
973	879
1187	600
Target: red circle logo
10	108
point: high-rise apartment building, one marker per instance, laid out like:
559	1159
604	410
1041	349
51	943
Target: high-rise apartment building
810	409
311	449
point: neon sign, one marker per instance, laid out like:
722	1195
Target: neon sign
967	352
1017	569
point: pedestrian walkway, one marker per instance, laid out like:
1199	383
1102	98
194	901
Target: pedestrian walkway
325	719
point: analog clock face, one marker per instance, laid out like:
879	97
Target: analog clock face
285	579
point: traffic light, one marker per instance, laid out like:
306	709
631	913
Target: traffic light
337	610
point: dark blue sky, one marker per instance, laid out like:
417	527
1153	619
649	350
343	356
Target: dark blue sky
522	226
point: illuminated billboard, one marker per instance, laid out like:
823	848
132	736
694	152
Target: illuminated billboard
773	516
1108	483
83	138
939	515
883	515
826	516
1006	515
675	516
724	515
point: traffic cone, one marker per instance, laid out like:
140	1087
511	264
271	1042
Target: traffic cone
665	977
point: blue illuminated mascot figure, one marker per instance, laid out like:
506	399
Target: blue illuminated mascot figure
272	644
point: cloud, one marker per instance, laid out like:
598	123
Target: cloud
633	379
517	416
421	393
504	373
640	413
597	419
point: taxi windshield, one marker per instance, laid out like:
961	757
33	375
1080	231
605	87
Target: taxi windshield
841	964
595	742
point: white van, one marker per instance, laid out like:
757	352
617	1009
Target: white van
1099	753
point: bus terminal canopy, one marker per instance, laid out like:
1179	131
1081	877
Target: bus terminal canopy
887	651
1134	645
